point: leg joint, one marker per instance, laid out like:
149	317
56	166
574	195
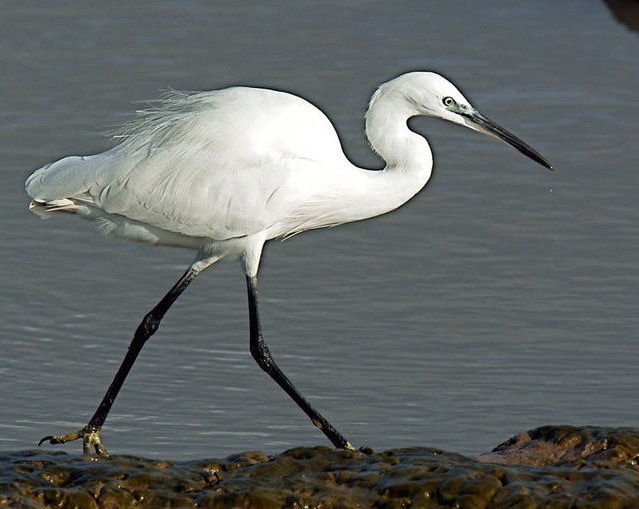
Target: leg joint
262	354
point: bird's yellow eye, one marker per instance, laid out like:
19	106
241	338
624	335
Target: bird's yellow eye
448	101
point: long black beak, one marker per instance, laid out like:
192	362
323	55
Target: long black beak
487	126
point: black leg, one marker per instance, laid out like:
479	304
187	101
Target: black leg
261	354
90	434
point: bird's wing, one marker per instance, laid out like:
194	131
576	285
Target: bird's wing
218	164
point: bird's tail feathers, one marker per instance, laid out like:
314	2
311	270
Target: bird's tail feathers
47	209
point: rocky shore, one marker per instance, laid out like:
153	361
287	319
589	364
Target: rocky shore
550	467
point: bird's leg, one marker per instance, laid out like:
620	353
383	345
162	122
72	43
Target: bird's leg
90	434
262	355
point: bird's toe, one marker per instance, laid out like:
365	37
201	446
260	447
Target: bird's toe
90	440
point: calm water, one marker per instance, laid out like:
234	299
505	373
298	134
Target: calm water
502	298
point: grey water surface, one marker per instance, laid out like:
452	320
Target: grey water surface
503	297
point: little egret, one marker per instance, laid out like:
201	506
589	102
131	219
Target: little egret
223	172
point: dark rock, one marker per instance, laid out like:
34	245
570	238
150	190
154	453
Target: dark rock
547	467
609	447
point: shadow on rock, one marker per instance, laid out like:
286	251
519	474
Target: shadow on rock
552	466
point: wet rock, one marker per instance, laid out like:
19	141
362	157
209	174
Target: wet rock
609	447
547	467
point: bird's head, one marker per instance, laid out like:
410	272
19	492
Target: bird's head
428	93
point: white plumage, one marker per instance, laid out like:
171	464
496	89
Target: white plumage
223	172
215	165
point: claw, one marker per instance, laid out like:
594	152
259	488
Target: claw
90	439
44	439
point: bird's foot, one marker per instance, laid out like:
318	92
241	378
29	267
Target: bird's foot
90	436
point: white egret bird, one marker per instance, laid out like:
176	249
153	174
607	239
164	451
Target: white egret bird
223	172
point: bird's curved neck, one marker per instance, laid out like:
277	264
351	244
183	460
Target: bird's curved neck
390	137
408	157
354	193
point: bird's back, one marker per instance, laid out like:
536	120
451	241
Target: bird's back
218	164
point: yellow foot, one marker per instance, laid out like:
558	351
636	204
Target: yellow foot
90	440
